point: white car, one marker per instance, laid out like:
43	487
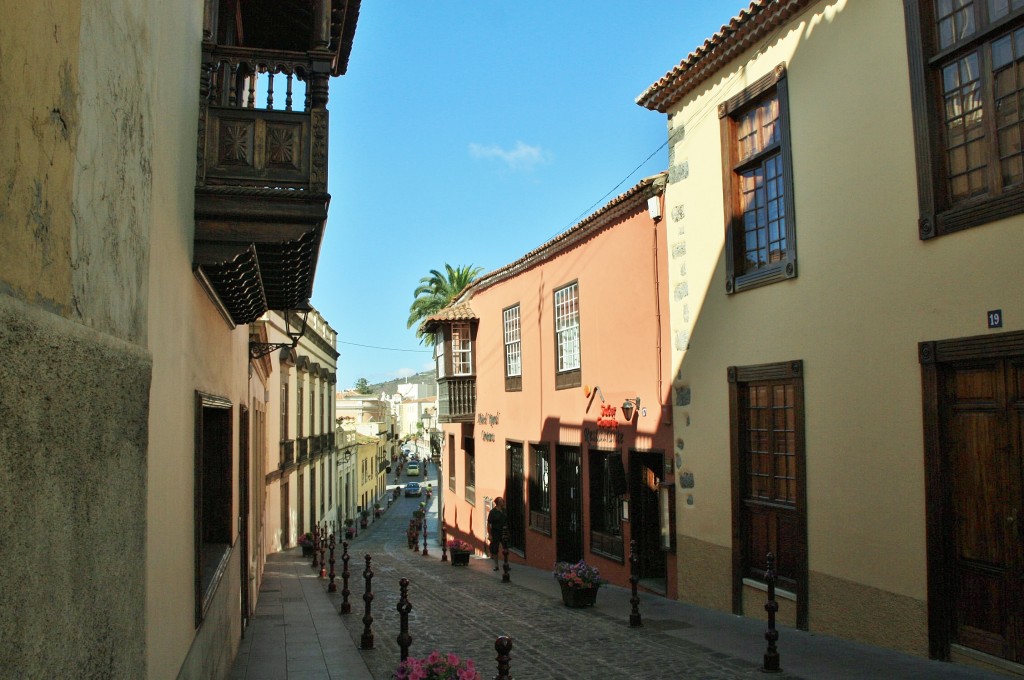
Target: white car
413	469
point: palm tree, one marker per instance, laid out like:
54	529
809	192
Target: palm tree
436	291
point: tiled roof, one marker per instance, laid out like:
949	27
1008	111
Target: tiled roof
614	210
460	311
742	32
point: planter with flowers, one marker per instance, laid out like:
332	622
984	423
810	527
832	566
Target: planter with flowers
437	666
579	583
460	551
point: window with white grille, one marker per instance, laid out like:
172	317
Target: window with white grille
567	328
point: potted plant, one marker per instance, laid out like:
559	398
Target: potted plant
376	510
306	541
460	551
364	518
350	531
437	666
579	583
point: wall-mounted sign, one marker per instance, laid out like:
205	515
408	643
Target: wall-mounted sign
608	421
995	318
489	420
606	437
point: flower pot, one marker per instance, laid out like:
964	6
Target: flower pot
307	550
578	597
460	558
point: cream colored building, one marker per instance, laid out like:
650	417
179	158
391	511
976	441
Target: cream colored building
134	418
838	408
302	471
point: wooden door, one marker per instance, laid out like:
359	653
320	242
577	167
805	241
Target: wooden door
515	498
982	404
568	504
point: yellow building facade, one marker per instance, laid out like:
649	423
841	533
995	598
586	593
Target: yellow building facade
837	407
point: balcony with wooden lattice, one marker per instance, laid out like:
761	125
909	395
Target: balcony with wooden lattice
261	195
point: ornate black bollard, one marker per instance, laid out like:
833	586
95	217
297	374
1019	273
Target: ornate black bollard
332	587
366	642
506	577
771	655
634	578
346	607
444	546
316	546
503	645
404	607
323	563
424	535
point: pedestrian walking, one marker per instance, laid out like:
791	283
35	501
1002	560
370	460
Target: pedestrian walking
496	528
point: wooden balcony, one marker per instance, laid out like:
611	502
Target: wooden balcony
456	400
287	453
303	448
261	177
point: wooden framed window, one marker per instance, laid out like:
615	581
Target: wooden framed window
462	349
540	488
214	523
760	231
967	80
284	405
469	446
766	414
513	350
451	462
300	396
567	336
439	353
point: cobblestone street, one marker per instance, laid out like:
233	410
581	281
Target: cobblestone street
464	609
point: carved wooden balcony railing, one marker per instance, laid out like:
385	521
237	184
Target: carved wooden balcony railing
456	400
261	173
287	453
314	445
303	448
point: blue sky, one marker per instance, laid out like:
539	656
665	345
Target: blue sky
469	132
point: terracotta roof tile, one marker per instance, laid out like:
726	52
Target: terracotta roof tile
743	31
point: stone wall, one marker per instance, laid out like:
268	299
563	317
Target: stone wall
73	439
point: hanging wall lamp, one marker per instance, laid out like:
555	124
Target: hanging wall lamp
629	407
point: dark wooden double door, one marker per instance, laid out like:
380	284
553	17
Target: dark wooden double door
976	479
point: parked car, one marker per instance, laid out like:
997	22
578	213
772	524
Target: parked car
413	469
413	489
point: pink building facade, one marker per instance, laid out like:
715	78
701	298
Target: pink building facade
554	382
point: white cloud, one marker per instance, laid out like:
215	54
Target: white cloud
522	157
404	373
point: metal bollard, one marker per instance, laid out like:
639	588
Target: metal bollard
404	607
323	548
771	655
505	575
424	535
503	645
366	641
346	607
316	546
332	587
444	546
634	578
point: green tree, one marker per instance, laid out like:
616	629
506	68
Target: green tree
435	292
362	386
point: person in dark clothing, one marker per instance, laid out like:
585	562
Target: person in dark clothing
496	528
